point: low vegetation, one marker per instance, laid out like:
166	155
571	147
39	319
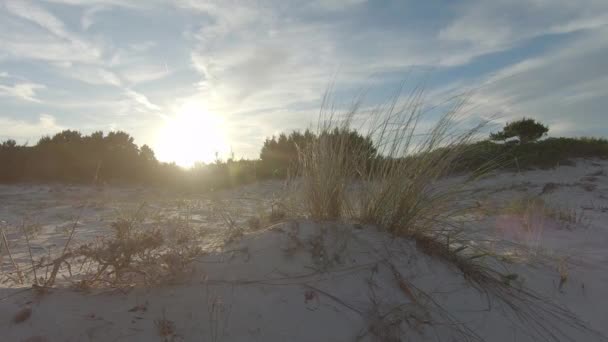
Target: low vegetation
402	190
139	250
72	157
547	153
526	130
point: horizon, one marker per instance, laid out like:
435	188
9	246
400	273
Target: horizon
192	79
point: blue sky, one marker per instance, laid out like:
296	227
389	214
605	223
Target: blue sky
261	67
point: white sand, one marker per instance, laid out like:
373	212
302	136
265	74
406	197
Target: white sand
305	281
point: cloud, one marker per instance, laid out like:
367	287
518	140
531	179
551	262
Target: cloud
490	26
38	15
88	18
264	65
143	46
143	73
141	99
23	91
30	31
117	3
334	5
265	57
562	87
22	130
90	74
252	57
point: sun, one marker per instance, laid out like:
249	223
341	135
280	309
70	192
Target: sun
192	135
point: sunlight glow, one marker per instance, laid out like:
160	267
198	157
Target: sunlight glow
192	135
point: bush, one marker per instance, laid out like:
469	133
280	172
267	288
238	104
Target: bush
527	130
279	156
546	153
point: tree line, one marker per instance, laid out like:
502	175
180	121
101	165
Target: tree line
70	156
73	157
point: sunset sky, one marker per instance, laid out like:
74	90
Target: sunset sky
176	73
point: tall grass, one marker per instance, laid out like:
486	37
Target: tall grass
328	165
398	188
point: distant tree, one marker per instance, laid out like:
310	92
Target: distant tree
147	154
67	136
44	140
352	142
526	130
11	160
280	154
9	144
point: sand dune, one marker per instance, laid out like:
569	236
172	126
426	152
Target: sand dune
299	280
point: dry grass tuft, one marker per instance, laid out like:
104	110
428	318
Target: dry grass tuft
140	251
398	188
166	329
533	210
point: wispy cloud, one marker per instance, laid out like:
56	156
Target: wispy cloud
144	73
28	131
498	25
264	65
88	18
142	100
90	74
22	91
48	39
563	85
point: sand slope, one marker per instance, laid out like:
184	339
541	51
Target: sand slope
307	281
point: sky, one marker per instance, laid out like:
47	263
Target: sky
224	75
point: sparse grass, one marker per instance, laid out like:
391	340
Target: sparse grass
531	209
218	313
277	214
562	269
140	251
544	319
233	230
16	267
166	329
404	191
137	254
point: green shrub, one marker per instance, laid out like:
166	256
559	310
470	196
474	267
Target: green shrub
527	130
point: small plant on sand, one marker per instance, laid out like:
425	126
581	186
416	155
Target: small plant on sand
264	218
166	329
562	269
117	257
133	254
533	210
